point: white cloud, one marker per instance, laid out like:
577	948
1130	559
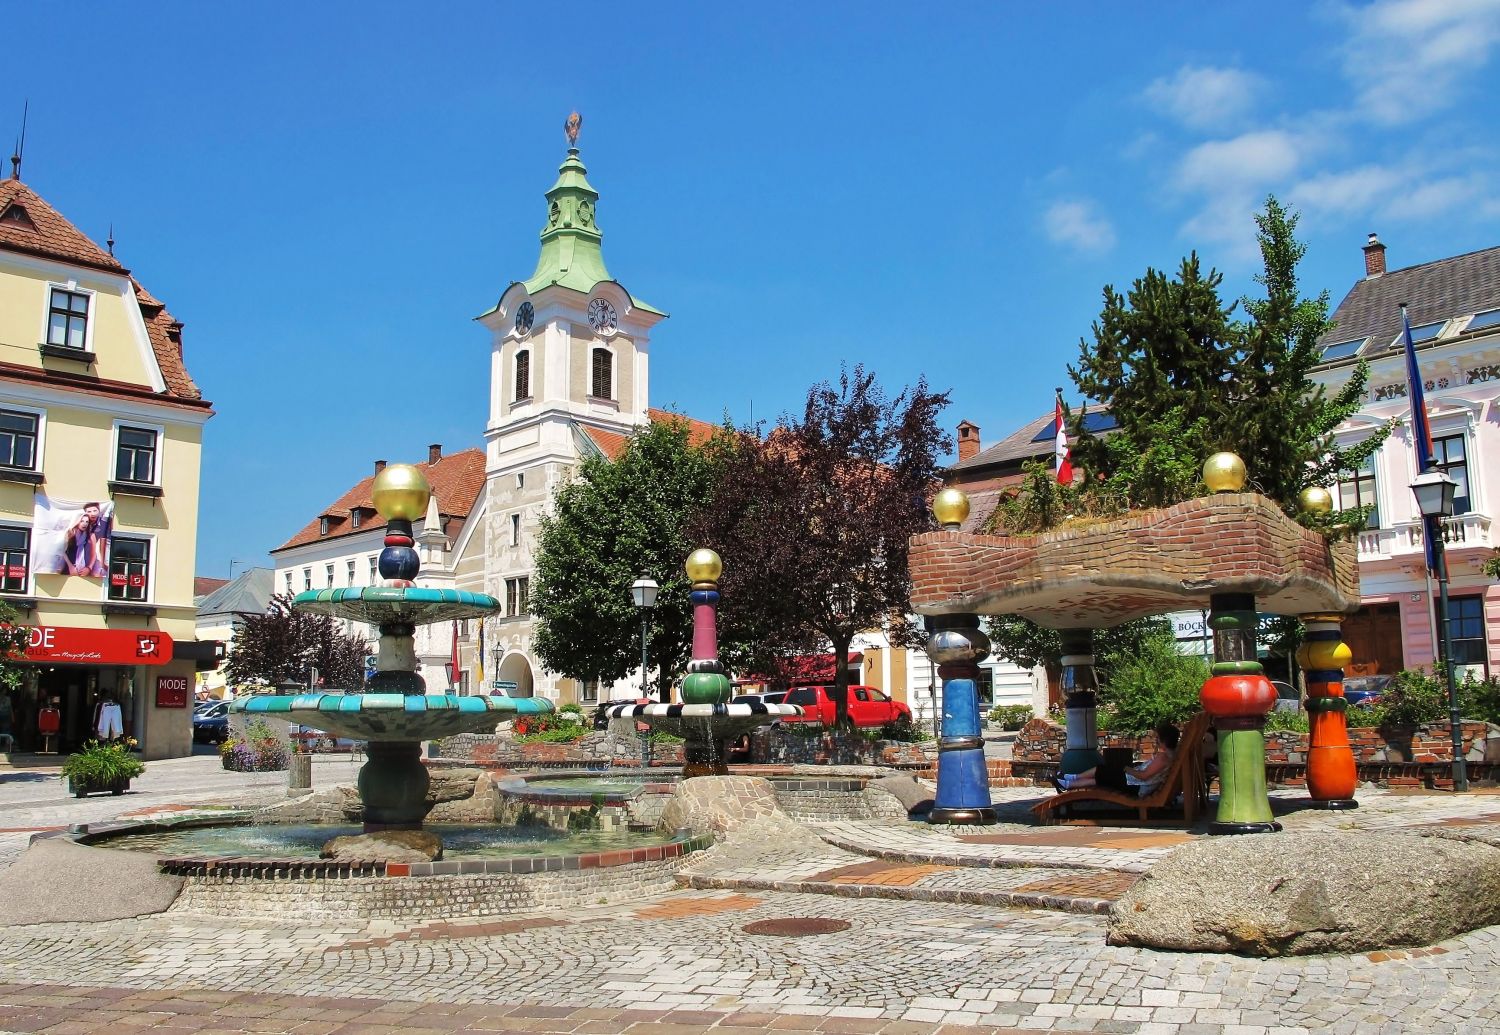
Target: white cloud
1407	58
1395	193
1248	160
1204	97
1425	200
1347	193
1078	225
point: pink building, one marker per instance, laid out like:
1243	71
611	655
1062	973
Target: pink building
1454	305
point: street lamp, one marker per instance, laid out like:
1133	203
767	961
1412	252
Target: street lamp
1435	491
643	591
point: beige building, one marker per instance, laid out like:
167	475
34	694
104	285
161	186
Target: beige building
101	429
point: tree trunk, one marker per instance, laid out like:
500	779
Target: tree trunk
841	679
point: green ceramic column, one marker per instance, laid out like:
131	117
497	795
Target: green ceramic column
1238	695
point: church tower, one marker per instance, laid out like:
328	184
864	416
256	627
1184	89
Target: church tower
569	367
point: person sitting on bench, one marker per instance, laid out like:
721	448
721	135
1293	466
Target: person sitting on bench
1140	780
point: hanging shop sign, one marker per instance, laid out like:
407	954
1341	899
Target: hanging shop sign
172	691
68	646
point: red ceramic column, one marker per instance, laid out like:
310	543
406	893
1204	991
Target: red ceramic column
1331	774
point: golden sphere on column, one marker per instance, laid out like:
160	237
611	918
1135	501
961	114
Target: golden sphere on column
1324	654
1315	500
950	507
401	492
1224	472
703	565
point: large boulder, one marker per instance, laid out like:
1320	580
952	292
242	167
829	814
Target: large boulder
406	846
56	881
718	804
1311	892
912	793
478	807
445	784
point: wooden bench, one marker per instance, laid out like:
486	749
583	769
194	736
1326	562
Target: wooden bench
1184	777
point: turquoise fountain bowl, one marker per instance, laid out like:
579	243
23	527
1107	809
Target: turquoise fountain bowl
392	716
413	604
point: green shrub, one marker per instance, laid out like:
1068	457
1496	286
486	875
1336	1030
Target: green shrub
257	750
97	764
1480	699
571	708
1155	683
1411	698
906	731
1010	717
1288	721
562	733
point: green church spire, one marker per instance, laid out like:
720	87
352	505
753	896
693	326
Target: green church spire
571	253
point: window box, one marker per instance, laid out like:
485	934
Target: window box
135	489
19	603
114	607
11	474
67	352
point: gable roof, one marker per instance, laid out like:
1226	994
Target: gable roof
1024	443
203	586
457	480
45	232
612	443
250	594
1432	291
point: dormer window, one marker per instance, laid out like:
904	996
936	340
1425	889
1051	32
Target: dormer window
1488	318
68	319
356	518
322	526
523	375
602	385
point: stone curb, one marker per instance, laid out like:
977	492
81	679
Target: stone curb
973	861
1012	899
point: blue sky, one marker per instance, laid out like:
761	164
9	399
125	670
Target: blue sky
327	193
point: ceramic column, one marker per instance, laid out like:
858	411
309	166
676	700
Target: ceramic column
956	644
1331	775
1079	686
1238	695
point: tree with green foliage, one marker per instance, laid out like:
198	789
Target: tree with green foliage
1153	682
1184	378
613	523
1024	643
813	522
285	646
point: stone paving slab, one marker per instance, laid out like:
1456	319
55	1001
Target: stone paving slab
898	962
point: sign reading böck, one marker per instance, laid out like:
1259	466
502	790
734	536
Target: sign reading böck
67	646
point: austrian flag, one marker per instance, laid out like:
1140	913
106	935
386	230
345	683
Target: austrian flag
1064	458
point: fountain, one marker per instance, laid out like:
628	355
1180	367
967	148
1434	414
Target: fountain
396	714
705	720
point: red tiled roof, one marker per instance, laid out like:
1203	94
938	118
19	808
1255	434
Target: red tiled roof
456	479
612	443
31	226
203	585
44	231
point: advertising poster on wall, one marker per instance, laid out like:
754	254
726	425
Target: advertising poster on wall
71	538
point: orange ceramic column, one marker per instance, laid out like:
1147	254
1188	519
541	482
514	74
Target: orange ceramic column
1331	776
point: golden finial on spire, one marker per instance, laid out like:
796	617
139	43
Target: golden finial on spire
571	128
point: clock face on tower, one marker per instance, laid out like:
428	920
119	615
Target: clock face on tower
524	316
602	317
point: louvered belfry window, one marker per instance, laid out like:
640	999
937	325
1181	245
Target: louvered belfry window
523	375
602	385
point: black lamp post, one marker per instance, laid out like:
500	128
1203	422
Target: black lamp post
1435	491
643	591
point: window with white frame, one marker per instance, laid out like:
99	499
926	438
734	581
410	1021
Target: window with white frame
15	558
129	568
351	571
374	570
356	517
1357	489
328	572
523	375
288	583
68	319
306	579
515	530
1466	630
135	455
589	691
602	382
517	597
1449	456
18	439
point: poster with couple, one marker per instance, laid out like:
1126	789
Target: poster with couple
70	538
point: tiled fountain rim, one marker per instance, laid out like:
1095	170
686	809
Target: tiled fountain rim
98	835
517	785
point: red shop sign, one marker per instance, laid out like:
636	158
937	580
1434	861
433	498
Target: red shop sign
171	691
65	645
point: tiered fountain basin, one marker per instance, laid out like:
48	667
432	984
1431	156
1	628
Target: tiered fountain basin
394	716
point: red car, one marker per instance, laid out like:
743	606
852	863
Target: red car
868	707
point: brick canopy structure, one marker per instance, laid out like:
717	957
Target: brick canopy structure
1099	575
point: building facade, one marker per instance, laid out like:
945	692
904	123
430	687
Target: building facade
1454	307
101	430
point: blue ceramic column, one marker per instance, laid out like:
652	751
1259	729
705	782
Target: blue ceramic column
963	781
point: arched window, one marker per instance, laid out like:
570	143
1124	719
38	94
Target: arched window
603	382
523	375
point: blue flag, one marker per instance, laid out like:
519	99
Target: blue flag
1421	433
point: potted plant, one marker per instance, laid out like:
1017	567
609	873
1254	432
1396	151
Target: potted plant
101	767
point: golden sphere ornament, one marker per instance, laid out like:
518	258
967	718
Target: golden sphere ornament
1315	500
1224	472
703	565
401	492
950	507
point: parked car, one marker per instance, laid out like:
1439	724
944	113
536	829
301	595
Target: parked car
313	739
211	723
769	697
868	707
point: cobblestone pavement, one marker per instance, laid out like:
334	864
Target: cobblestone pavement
685	959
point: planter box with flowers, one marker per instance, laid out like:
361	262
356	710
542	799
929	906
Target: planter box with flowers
256	750
100	768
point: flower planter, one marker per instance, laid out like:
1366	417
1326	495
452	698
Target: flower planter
79	788
235	765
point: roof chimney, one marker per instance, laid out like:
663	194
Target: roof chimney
968	439
379	466
434	452
1374	257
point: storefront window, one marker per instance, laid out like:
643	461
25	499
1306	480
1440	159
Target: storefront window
15	553
129	568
